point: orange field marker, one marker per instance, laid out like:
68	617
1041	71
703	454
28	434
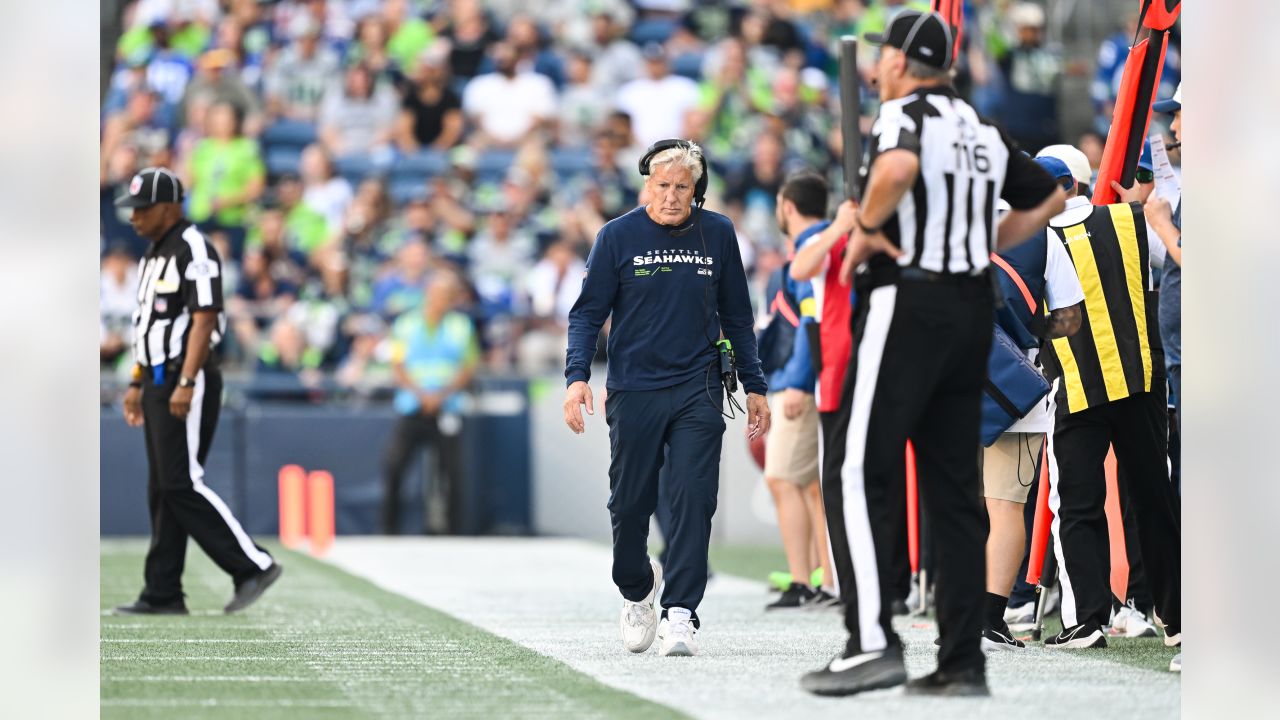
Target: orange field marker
320	511
293	518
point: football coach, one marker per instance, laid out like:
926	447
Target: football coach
672	277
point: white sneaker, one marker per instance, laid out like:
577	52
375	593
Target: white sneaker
639	621
1175	665
677	637
1021	618
1174	640
1129	622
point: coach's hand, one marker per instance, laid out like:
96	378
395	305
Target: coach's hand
180	402
862	246
757	416
133	407
575	396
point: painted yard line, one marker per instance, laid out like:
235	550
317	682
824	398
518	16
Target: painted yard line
214	702
211	679
557	599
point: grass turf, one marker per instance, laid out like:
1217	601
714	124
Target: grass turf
323	644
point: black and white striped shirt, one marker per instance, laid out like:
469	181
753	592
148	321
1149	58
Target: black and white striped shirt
946	223
180	273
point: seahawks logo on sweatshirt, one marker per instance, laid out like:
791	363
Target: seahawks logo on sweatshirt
665	258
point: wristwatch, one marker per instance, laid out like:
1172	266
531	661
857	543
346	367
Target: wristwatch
186	382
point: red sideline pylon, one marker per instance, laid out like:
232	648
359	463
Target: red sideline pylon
1040	527
320	523
293	517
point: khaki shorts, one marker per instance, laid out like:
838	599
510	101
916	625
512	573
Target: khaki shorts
1009	466
791	448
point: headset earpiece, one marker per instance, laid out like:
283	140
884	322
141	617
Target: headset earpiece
700	187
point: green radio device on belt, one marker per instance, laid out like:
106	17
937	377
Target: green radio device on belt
728	365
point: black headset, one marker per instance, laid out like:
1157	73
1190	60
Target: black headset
699	187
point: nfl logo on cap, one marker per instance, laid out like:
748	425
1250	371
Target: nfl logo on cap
135	185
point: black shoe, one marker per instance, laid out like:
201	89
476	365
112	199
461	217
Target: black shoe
965	683
1085	635
1000	638
793	597
859	673
250	590
822	600
142	607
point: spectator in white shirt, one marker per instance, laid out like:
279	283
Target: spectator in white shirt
325	192
508	107
657	103
360	116
553	286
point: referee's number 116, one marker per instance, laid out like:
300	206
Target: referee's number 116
971	157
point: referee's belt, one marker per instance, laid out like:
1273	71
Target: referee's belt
888	275
914	274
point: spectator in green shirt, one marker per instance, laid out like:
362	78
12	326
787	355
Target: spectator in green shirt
409	35
225	174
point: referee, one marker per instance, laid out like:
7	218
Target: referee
922	333
175	395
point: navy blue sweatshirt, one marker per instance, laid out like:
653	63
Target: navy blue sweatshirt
654	283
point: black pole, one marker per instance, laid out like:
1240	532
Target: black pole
850	111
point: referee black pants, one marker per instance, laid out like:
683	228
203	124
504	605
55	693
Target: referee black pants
918	369
1136	428
181	504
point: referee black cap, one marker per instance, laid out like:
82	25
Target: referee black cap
152	186
920	36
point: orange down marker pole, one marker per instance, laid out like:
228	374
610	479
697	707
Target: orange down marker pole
1115	530
1041	526
293	518
320	511
913	510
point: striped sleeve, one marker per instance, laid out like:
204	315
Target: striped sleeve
201	273
894	129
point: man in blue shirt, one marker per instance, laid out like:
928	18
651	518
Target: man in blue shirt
791	450
672	277
433	357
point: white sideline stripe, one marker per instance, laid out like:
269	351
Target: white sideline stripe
215	702
258	557
857	523
193	641
214	679
557	600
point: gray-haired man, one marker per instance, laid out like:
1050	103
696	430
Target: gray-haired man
673	280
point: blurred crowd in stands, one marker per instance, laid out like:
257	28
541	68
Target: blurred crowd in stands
339	152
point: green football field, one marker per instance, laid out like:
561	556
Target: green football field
327	643
322	644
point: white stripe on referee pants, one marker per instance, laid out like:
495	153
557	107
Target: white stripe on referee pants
258	557
857	523
1055	503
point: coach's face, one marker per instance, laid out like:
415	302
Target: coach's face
670	193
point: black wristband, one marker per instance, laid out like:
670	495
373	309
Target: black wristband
867	230
136	384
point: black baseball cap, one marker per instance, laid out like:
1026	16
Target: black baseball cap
921	36
152	186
